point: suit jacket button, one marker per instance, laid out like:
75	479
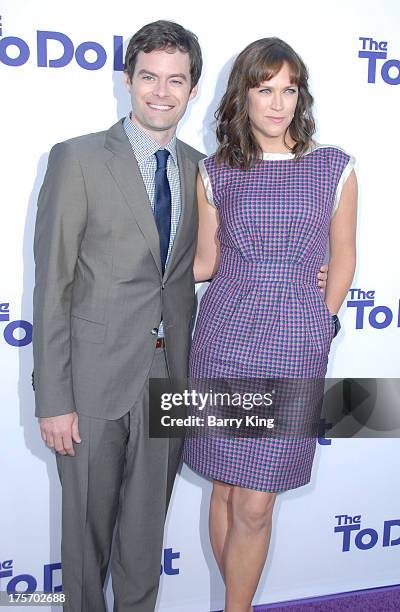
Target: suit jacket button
154	331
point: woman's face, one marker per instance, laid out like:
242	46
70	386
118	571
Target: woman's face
271	108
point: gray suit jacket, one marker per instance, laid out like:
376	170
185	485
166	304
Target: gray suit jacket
99	293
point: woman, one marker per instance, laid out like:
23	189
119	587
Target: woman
269	199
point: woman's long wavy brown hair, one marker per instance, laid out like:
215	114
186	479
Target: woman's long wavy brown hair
259	62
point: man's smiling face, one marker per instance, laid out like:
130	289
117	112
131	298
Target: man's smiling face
160	91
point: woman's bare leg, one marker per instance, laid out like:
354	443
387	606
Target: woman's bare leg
246	545
220	520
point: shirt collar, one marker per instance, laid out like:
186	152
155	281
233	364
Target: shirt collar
143	145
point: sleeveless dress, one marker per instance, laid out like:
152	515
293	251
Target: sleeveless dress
263	314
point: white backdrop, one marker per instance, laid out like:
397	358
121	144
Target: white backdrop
354	479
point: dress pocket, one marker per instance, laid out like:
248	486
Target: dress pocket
321	324
217	309
328	315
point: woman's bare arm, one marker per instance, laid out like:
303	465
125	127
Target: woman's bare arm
342	238
207	252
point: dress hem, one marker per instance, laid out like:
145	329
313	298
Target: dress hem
235	482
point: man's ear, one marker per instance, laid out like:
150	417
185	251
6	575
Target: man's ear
194	91
127	80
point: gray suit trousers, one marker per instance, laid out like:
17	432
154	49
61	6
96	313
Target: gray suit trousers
120	478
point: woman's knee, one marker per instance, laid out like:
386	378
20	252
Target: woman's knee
252	510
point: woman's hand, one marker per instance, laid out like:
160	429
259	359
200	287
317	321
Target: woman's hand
322	276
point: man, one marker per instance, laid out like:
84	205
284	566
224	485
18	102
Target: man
113	304
114	246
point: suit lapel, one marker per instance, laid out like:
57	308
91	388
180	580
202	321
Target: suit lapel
125	171
187	177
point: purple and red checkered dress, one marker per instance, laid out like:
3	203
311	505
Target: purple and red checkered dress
263	314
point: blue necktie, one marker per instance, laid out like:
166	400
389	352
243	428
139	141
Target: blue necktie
162	204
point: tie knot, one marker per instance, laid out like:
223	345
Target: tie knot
162	158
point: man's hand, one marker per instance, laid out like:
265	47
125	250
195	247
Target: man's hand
322	277
59	432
